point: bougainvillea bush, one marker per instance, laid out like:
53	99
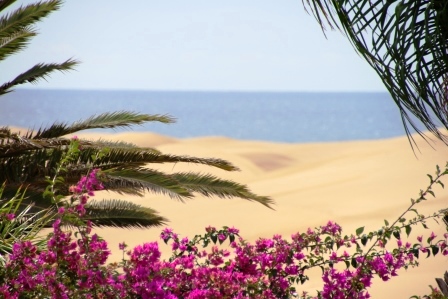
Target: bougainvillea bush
216	264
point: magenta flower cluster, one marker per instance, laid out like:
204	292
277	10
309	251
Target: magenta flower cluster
217	264
84	189
270	268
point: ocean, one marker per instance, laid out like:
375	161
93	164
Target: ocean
270	116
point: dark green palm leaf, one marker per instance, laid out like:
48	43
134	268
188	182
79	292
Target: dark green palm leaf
15	42
38	72
121	180
120	119
406	43
5	3
210	185
102	143
123	214
17	145
117	157
25	16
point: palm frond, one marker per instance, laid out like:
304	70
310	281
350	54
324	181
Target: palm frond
13	145
35	159
5	3
25	226
210	185
38	72
121	180
117	157
15	42
25	16
119	119
406	43
123	214
119	144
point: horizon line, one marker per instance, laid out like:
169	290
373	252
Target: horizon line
198	90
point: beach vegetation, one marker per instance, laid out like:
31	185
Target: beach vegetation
74	265
52	179
405	43
48	163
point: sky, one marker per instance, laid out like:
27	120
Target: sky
177	45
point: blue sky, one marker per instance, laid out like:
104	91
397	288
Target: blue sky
244	45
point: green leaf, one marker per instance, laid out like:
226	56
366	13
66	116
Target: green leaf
434	250
347	264
386	222
359	231
405	44
396	234
408	229
414	210
354	263
415	252
364	240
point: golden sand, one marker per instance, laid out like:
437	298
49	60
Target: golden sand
353	183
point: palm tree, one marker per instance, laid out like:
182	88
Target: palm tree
406	43
30	159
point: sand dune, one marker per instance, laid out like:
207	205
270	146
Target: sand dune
352	183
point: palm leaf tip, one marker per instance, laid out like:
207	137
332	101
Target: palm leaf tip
108	120
121	119
120	180
209	185
38	72
214	162
405	42
122	214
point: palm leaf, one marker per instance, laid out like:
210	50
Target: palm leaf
113	120
406	43
25	16
118	157
38	72
209	185
26	225
102	143
122	180
15	145
123	214
5	3
15	42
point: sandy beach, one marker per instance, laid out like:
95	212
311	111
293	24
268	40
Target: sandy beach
352	183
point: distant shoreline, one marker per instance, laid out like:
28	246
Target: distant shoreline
295	117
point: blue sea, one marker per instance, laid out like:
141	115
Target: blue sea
269	116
